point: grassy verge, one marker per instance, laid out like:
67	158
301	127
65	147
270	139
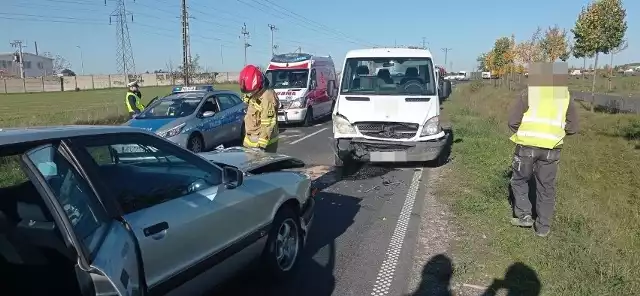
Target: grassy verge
594	247
104	106
621	85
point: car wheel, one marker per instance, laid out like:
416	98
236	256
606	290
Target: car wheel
195	144
284	244
308	119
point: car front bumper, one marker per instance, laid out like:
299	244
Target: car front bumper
362	149
307	214
292	115
180	140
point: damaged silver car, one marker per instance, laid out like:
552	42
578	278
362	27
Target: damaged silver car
121	211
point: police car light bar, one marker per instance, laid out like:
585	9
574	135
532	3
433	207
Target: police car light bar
198	88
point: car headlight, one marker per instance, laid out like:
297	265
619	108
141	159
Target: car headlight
342	125
298	103
172	132
431	127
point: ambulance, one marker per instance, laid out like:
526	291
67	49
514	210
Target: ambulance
305	84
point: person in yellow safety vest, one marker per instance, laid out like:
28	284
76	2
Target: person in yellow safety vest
133	99
260	122
540	119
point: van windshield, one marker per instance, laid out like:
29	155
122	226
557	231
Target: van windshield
389	76
288	78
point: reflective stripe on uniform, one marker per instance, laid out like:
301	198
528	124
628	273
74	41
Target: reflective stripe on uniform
270	121
544	121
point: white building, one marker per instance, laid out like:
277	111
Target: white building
34	65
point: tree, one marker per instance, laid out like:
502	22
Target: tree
600	28
193	68
554	44
501	54
59	62
617	50
527	52
482	58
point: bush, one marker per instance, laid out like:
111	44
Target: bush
632	131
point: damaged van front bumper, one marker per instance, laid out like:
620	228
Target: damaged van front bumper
362	149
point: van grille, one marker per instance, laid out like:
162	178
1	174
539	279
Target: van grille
388	130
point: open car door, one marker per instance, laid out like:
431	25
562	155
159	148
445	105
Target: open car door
106	247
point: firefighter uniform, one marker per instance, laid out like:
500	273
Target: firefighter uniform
260	122
540	120
133	102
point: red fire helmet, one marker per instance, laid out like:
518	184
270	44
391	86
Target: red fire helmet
250	79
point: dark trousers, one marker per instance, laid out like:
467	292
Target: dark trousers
542	164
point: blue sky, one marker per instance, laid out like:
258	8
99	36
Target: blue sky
327	27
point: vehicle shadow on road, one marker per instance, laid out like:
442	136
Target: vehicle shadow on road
314	274
519	280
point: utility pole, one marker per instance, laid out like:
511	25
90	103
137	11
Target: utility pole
446	53
273	46
299	49
124	52
221	56
245	36
186	46
19	56
424	43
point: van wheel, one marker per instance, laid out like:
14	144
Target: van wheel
308	119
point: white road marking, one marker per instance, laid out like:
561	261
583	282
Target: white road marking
308	136
388	268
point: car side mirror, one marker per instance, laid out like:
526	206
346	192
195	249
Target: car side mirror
232	177
445	92
208	114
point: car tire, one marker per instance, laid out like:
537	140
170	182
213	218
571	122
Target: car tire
195	143
277	257
308	119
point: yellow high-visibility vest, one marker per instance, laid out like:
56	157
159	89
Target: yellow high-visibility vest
543	124
138	101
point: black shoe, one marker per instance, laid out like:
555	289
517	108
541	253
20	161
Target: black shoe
525	221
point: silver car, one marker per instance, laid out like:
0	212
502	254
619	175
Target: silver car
197	120
94	218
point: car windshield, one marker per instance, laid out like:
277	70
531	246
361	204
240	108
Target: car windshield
389	76
173	106
288	78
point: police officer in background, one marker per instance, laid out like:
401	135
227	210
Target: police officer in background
260	122
133	99
540	119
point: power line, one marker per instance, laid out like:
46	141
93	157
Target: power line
20	58
186	50
273	46
124	51
245	35
446	53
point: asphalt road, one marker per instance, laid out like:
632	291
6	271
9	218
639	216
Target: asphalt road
364	231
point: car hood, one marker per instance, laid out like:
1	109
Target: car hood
414	109
155	125
252	160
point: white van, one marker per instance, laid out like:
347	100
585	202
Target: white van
388	107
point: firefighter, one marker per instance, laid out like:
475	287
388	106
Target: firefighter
133	99
260	122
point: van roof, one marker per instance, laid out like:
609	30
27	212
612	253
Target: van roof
389	52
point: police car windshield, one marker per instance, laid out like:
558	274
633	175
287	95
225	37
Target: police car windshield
173	106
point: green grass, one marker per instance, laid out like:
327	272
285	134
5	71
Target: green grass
594	246
620	85
105	106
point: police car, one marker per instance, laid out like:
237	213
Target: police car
195	117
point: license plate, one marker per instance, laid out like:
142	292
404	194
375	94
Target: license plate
387	156
281	118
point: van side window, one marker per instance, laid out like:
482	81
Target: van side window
313	83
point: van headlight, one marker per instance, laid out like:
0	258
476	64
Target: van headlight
172	132
298	103
431	127
342	125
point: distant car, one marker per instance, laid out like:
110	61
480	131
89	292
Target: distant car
92	218
196	120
